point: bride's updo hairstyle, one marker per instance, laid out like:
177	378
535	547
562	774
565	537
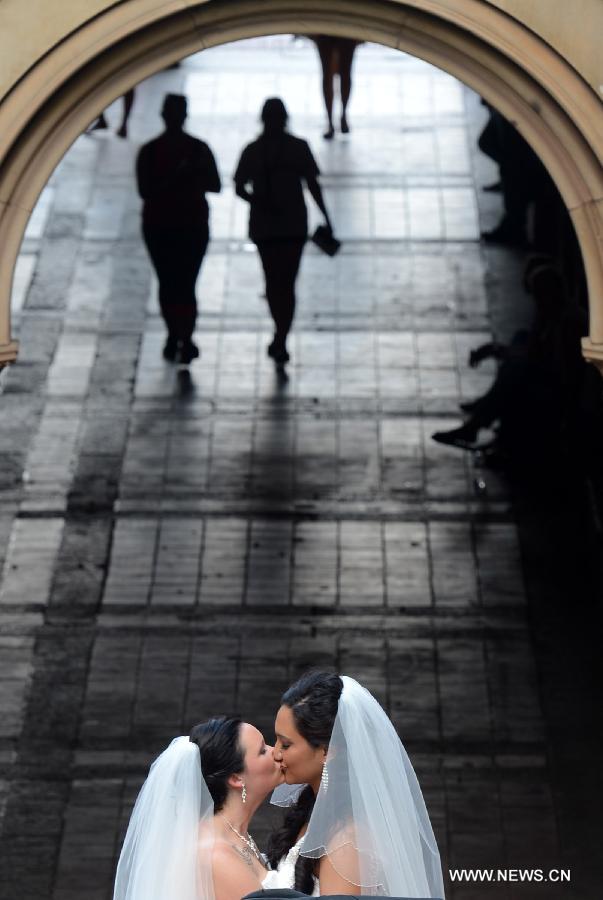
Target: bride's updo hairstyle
221	754
313	699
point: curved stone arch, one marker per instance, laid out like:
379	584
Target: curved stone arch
532	85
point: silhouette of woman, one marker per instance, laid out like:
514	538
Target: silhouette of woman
270	177
336	57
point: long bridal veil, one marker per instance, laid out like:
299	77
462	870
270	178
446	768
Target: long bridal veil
166	853
369	816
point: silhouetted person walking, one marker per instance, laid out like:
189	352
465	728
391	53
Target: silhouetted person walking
336	57
174	172
275	167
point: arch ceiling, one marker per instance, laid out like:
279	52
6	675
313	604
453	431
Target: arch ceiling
521	56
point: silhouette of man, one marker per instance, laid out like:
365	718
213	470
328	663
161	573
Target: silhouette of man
275	166
174	171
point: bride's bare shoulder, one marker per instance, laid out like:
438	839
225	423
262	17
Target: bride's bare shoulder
234	867
339	868
225	851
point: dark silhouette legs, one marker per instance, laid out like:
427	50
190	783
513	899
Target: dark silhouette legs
327	62
280	261
128	99
122	132
523	179
346	55
524	400
336	57
177	255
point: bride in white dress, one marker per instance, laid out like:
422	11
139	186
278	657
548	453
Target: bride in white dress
188	835
357	822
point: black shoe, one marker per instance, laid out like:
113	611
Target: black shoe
278	353
509	237
99	124
329	133
462	437
170	350
345	128
188	352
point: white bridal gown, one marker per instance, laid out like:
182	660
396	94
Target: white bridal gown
284	875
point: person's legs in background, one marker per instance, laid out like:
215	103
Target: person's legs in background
345	49
128	103
326	47
516	175
101	123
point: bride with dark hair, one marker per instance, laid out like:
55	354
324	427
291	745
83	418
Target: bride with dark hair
188	835
357	822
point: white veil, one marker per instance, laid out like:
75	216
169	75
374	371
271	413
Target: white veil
166	853
370	819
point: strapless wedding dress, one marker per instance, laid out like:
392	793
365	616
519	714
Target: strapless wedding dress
284	875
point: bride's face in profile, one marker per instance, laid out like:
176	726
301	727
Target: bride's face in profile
262	773
300	761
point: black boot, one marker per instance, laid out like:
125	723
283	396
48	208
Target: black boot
170	349
277	351
188	352
507	235
463	437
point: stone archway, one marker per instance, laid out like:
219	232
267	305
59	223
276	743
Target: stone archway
97	57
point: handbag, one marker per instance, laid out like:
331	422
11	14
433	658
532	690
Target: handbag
325	240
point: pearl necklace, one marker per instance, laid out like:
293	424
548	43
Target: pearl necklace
246	840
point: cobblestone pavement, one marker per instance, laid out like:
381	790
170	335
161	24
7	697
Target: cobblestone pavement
177	545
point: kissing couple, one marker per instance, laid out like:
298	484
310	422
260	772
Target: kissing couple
356	821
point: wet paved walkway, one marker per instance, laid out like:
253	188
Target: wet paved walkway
174	546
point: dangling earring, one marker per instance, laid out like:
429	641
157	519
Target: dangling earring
324	778
244	794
